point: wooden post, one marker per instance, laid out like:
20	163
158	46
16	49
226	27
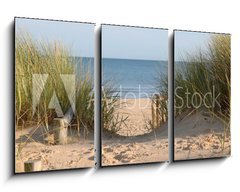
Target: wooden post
61	127
60	131
153	113
33	165
157	111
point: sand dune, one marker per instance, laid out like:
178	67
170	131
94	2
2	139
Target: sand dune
200	135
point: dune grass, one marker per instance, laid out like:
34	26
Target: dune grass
206	73
112	121
160	100
53	60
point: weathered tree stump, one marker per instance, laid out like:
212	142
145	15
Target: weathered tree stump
33	165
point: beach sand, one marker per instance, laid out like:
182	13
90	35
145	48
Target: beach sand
196	136
31	144
200	135
136	142
139	115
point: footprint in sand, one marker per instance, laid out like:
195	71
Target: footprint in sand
70	162
120	157
178	147
124	157
90	149
215	146
125	161
128	149
179	142
186	148
91	158
108	150
134	145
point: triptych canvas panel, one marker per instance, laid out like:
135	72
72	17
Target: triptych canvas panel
134	67
54	95
202	95
54	106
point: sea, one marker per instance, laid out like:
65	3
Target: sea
84	65
132	78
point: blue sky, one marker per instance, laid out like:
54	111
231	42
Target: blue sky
78	37
134	43
189	42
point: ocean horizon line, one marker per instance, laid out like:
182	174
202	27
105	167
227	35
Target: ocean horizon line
135	59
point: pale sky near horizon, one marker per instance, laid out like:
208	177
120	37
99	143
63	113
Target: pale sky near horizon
117	41
187	42
78	37
134	43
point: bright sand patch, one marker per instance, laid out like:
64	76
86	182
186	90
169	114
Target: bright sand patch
139	115
137	143
199	136
32	144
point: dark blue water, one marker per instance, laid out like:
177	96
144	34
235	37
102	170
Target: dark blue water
133	78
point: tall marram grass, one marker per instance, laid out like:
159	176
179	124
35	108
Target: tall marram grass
112	120
206	72
53	59
160	100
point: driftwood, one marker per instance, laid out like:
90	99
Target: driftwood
61	127
33	165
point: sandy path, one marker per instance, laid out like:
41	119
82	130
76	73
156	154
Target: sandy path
134	152
136	143
139	114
